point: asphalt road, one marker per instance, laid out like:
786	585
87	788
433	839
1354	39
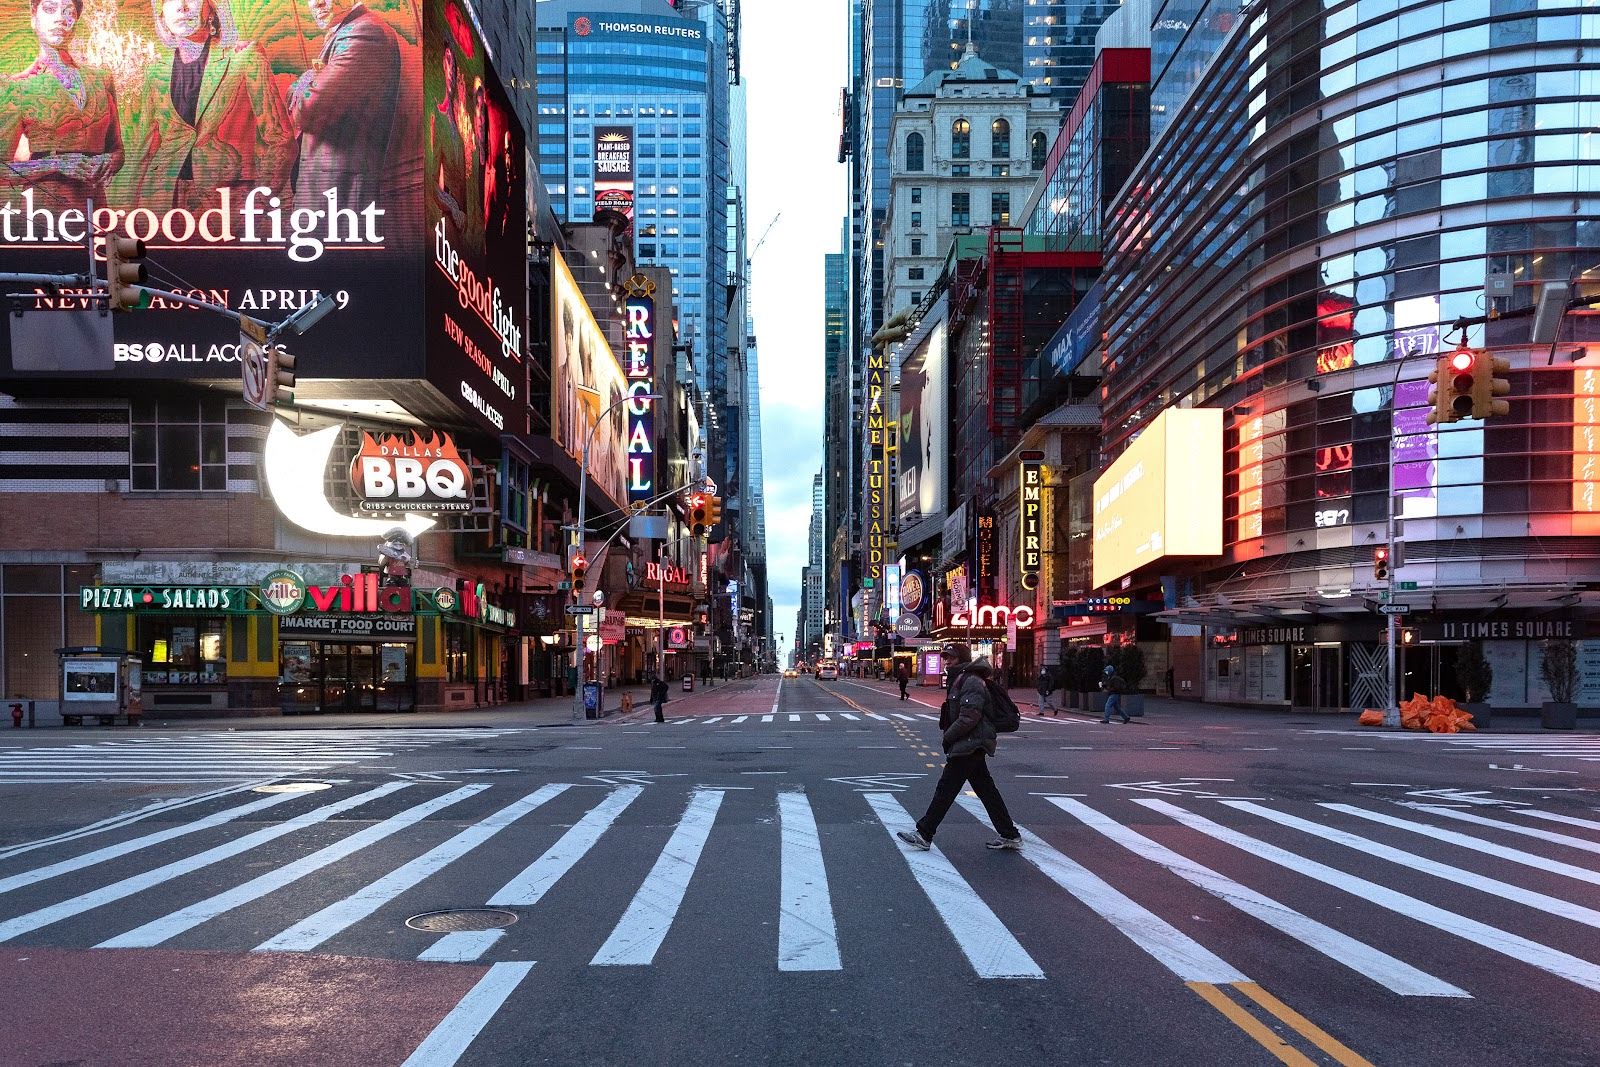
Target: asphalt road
1204	887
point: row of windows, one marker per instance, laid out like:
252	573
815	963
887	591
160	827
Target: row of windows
961	145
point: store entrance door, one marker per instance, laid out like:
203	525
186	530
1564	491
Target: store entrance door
348	679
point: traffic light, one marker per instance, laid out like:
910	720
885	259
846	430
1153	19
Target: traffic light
580	571
1380	564
280	376
698	513
1486	387
125	273
1455	379
713	511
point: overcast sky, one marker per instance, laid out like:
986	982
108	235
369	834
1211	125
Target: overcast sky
793	60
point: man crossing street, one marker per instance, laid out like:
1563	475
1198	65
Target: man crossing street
658	697
969	740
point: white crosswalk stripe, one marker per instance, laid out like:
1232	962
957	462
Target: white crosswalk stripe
1145	883
199	758
1583	747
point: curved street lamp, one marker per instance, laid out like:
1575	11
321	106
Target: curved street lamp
583	500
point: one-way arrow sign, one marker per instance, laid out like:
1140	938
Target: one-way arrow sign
1394	609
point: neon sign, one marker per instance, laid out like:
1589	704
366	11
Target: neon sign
641	370
993	617
1030	554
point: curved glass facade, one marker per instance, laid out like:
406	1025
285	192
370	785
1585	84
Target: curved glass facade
1328	192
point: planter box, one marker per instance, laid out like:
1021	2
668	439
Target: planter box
1482	715
1097	702
1133	704
1554	716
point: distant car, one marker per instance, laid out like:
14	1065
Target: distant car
827	673
791	673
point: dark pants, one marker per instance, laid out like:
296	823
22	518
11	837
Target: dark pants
903	683
659	717
958	772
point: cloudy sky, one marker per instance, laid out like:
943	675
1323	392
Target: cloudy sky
793	59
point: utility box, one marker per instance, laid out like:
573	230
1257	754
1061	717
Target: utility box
101	684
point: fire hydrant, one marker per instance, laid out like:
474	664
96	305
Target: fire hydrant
16	716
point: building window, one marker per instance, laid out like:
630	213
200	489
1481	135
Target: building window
1000	209
916	194
179	446
961	209
915	274
460	665
916	246
1040	148
916	220
1001	170
961	139
914	152
961	170
183	651
916	297
1000	139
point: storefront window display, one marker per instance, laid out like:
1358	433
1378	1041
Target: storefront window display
460	662
183	650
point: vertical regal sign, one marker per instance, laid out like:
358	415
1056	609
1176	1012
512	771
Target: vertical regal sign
1030	552
877	470
639	365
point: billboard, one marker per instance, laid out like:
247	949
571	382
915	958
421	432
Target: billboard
585	380
641	370
613	170
476	215
263	152
920	490
1162	497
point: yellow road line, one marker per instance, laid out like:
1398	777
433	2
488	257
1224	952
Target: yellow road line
1302	1026
1250	1025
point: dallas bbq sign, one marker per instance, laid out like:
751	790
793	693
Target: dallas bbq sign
426	473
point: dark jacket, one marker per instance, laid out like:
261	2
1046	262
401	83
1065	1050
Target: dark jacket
1113	683
965	715
658	691
1046	682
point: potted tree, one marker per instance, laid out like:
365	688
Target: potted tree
1477	678
1559	669
1091	661
1067	677
1130	664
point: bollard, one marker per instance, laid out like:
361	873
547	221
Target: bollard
16	716
30	714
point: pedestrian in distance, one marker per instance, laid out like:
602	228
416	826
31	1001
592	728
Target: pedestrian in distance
968	719
902	674
1113	686
1046	685
658	697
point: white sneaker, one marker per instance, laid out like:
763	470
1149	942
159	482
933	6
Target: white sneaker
1005	844
915	839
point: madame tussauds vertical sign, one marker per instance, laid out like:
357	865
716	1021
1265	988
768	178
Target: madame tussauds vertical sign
877	470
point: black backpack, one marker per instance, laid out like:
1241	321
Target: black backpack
1002	714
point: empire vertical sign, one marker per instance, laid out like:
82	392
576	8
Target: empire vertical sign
877	471
1030	553
641	371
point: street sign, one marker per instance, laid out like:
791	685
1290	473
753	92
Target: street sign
579	609
1394	609
1408	585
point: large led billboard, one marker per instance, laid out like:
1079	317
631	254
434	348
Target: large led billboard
1162	497
476	215
923	429
585	380
264	151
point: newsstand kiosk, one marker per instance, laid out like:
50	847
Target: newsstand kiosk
101	684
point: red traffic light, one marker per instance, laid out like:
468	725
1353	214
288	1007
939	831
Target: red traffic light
1463	359
579	563
1379	555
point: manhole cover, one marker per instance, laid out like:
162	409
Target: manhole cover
457	920
292	787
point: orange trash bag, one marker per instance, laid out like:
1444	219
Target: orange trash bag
1370	717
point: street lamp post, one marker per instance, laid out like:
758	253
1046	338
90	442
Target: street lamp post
583	500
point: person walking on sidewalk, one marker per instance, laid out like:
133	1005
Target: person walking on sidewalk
903	676
1046	685
969	741
1113	686
658	697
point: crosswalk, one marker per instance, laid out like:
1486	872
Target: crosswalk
834	718
608	877
215	757
1584	747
